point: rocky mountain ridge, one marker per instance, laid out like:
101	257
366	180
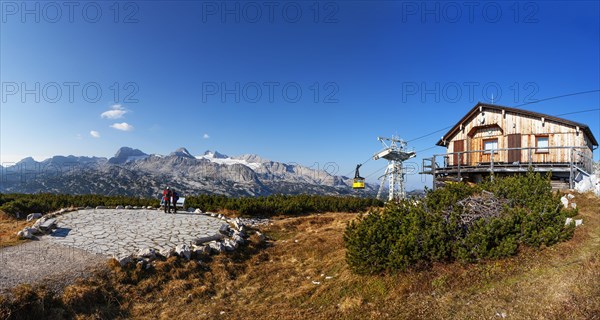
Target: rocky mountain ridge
133	172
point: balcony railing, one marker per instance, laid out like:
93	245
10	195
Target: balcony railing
571	160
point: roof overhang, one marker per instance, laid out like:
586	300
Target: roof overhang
480	106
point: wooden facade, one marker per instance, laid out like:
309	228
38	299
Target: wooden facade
504	140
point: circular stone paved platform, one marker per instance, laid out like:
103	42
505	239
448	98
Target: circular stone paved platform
117	233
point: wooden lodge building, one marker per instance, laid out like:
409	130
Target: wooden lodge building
493	139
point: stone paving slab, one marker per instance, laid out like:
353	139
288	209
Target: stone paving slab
114	232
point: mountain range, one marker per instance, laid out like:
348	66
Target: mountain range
135	173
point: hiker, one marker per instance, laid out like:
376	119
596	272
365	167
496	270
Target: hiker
175	198
167	194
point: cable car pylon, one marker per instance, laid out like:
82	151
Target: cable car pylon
395	153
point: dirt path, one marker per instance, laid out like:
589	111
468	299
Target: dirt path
41	262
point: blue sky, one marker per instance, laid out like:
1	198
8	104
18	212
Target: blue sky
297	81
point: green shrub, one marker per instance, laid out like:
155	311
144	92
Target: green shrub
24	204
282	204
412	233
259	206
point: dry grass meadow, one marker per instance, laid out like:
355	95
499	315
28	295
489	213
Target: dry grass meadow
9	227
301	273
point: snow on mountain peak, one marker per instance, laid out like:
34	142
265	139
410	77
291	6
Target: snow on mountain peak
213	155
220	158
252	158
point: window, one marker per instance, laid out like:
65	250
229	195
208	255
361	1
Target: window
541	144
489	145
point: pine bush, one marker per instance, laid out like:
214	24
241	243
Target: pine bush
412	234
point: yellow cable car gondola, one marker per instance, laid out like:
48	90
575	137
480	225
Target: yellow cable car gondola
359	182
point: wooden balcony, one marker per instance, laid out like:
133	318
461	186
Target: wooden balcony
565	163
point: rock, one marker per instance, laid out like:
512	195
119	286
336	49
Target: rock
235	223
238	224
26	233
244	229
128	207
35	230
569	220
212	214
220	216
167	252
238	239
191	210
120	208
591	183
201	250
230	245
88	208
147	253
238	233
32	216
183	250
135	207
124	259
100	207
197	211
195	248
573	205
202	240
224	229
261	236
216	247
149	207
40	221
584	185
565	201
578	222
570	196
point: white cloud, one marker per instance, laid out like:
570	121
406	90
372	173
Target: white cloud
123	126
205	136
95	134
116	112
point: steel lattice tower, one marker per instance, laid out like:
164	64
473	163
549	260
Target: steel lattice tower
395	153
